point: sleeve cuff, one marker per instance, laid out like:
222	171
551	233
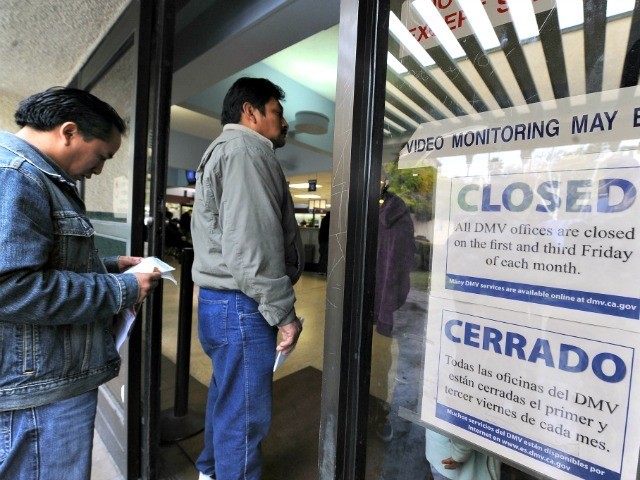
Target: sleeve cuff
129	289
111	264
275	320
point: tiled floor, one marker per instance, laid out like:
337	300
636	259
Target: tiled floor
310	294
103	467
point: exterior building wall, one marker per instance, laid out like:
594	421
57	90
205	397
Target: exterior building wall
8	106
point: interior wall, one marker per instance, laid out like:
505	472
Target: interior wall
185	151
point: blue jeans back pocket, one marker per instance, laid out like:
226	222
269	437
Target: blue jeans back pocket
212	323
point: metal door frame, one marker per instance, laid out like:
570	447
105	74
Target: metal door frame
362	70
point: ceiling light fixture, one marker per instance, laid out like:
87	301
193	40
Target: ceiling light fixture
523	19
395	64
307	196
313	123
404	37
477	16
302	186
431	16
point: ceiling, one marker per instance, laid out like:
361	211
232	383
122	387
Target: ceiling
44	43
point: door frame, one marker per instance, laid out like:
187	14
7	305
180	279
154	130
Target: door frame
359	114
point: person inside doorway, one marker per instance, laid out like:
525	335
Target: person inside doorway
57	297
185	224
399	318
247	257
323	241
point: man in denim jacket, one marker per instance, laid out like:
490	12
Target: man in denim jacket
57	299
246	260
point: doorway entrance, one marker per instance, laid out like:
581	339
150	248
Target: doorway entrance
303	62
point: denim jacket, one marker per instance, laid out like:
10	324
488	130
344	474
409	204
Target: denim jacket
57	299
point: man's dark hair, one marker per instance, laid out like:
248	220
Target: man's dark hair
256	91
46	110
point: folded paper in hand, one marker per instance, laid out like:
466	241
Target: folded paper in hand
124	322
154	264
125	318
281	357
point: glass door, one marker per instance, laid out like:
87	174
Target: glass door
506	306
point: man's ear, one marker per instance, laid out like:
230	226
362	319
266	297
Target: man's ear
248	112
67	131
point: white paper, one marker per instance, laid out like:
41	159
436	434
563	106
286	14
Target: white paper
126	317
123	325
149	264
281	357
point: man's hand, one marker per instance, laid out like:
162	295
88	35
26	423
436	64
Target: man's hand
451	464
147	282
290	333
126	262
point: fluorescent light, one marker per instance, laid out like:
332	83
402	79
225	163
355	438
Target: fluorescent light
523	19
302	186
402	35
570	13
619	6
430	15
307	196
480	23
395	64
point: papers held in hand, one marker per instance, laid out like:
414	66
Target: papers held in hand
154	264
281	357
125	319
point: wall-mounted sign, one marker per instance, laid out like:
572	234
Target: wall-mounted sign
534	313
556	242
549	394
584	123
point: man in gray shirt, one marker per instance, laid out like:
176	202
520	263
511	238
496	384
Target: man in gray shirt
247	258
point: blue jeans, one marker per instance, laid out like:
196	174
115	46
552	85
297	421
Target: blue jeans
242	346
438	476
49	442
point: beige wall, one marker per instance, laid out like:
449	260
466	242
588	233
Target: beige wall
8	106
